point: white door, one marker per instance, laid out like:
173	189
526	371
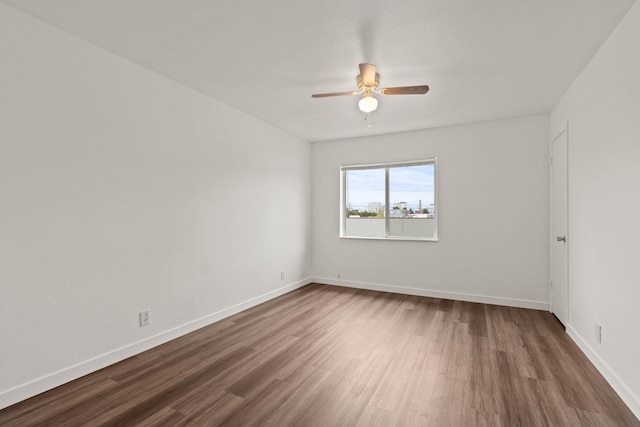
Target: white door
559	243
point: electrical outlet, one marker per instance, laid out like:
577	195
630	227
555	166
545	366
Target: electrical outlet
599	333
144	318
282	275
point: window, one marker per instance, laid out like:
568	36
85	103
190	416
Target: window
389	201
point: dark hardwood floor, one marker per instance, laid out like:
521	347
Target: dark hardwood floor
330	356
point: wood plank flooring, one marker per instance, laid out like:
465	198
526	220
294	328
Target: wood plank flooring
330	356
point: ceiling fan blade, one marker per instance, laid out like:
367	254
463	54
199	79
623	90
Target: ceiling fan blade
368	74
324	95
405	90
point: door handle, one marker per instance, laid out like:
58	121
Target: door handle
561	238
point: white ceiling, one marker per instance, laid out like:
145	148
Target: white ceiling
482	59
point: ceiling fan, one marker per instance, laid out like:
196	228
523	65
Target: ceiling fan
368	84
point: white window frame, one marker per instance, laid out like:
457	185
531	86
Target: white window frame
386	166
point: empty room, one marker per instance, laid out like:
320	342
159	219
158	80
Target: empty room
337	213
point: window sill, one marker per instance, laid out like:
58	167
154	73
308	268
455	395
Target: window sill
395	238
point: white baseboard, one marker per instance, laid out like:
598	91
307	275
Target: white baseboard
55	379
511	302
627	396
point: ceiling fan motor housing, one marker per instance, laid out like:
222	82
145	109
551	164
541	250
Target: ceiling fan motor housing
364	88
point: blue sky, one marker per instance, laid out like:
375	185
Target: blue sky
407	184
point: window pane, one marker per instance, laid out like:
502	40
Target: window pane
409	189
364	203
412	201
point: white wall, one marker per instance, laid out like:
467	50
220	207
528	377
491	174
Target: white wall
493	215
602	109
122	191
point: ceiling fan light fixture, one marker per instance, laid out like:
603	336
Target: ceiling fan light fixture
368	103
